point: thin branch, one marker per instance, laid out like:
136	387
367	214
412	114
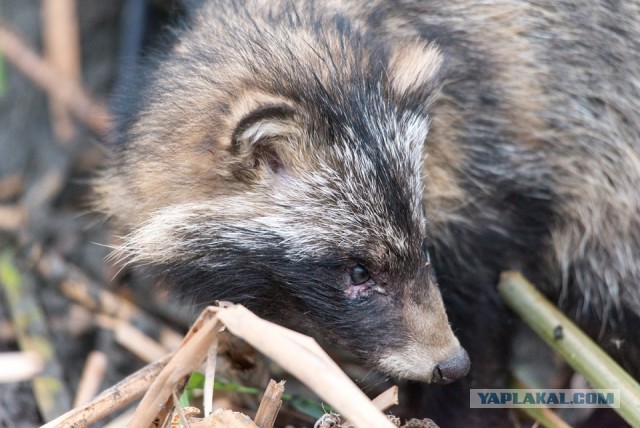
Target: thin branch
19	366
65	90
61	39
187	358
92	376
118	396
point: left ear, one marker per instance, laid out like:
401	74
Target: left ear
266	122
416	70
263	137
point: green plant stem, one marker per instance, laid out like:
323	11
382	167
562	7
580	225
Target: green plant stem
570	342
32	334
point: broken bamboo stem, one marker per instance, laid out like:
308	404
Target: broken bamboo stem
270	405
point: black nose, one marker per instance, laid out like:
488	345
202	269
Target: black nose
452	369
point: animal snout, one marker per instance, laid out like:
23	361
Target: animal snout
452	369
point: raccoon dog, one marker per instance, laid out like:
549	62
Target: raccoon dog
336	166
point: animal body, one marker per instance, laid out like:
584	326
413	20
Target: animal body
327	163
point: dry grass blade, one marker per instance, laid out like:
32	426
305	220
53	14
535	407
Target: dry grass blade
180	412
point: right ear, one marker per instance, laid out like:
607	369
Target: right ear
417	70
263	136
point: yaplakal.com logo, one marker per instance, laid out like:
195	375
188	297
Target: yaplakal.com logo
553	398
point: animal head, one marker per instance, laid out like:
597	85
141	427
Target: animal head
282	169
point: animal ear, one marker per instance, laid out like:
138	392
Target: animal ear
417	69
263	137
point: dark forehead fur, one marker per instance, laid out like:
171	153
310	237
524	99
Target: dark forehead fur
342	70
334	72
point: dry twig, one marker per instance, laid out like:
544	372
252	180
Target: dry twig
74	284
47	187
383	401
298	353
92	377
186	359
62	50
19	366
133	339
386	399
67	91
114	398
270	405
12	217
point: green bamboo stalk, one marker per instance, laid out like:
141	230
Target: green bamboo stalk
28	318
570	342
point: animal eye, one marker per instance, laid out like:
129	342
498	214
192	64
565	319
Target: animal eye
359	275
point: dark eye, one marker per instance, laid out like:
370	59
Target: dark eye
359	275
